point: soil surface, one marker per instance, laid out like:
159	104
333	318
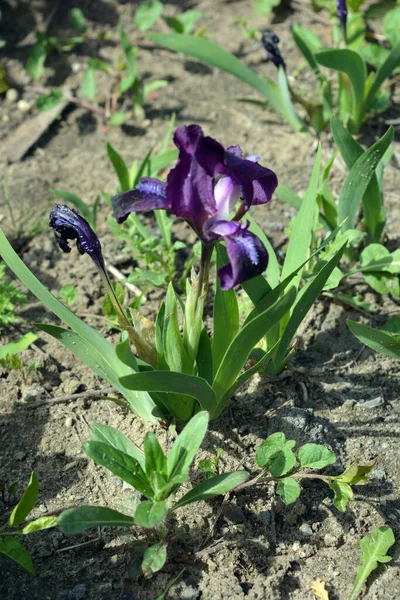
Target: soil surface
334	392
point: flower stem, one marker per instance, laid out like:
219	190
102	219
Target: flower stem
206	253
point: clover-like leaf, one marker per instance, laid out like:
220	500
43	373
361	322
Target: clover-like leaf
315	456
275	454
288	489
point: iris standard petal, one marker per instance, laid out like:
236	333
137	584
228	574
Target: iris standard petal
69	225
258	183
190	188
149	194
247	254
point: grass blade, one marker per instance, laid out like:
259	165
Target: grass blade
216	56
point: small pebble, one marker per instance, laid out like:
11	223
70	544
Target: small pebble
68	422
306	530
374	403
23	106
11	96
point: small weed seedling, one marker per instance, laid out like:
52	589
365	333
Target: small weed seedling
10	296
46	45
279	463
10	360
374	549
154	475
9	533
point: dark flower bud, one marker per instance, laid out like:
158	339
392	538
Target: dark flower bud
69	225
269	42
341	11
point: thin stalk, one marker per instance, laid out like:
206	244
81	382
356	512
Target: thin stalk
259	479
203	281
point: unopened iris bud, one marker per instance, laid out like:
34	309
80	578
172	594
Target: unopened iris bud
269	42
69	225
341	11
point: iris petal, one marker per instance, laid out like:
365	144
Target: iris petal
247	254
149	194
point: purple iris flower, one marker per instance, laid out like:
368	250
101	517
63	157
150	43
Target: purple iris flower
269	42
341	11
69	225
212	189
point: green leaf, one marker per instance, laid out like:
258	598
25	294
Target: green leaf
225	317
307	42
117	118
349	62
116	439
275	454
48	101
188	19
185	447
204	360
75	520
288	489
175	383
359	178
77	20
315	456
39	525
214	486
69	294
343	494
37	57
247	338
212	54
356	474
108	308
263	7
147	14
301	235
351	150
12	548
374	551
119	167
89	87
378	340
391	63
26	504
380	269
153	454
13	348
100	65
120	464
308	296
174	350
391	26
154	559
150	514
